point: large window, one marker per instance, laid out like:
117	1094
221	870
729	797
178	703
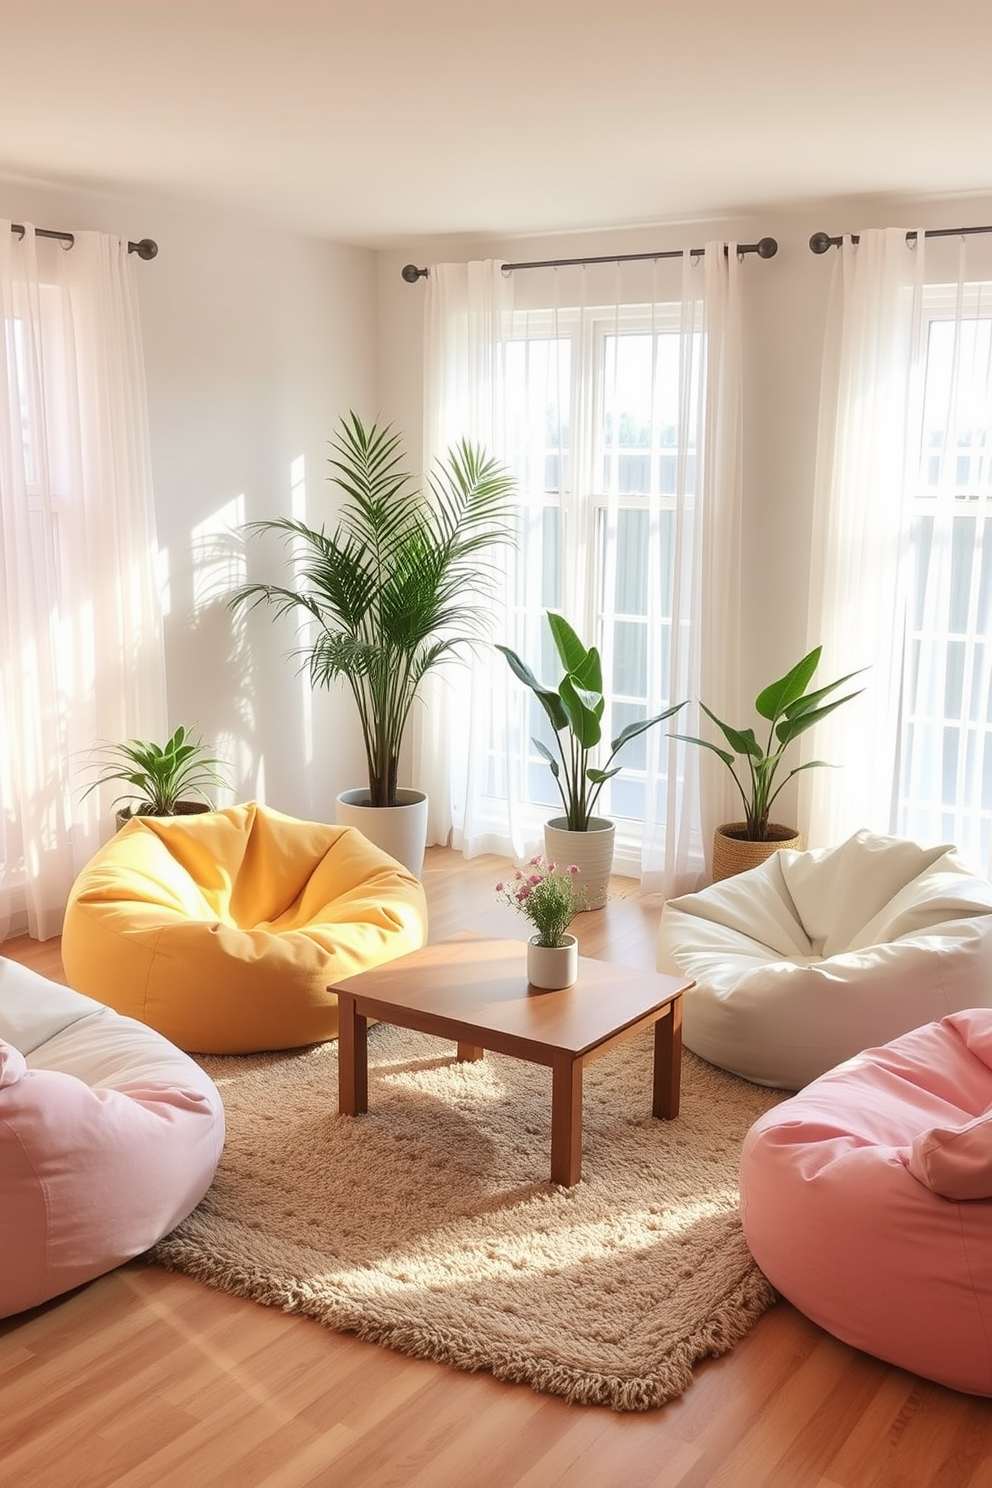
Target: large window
945	774
595	383
602	436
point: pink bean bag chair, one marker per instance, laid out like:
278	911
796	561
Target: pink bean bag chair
109	1136
866	1200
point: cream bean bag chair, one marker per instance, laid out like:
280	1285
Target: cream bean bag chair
805	960
866	1200
109	1137
224	930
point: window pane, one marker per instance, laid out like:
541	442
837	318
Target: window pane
632	563
538	403
630	659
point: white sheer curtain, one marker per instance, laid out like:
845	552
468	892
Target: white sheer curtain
466	320
902	549
861	530
81	655
614	394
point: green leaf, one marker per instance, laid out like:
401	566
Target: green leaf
640	726
548	699
791	728
571	652
741	741
725	755
772	701
545	752
811	700
584	721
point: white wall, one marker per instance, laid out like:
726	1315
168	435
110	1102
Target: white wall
255	342
785	301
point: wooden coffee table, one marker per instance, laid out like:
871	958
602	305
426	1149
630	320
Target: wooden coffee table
474	990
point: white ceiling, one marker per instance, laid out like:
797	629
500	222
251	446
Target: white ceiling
373	121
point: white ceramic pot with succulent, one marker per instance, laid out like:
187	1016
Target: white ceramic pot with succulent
396	589
575	709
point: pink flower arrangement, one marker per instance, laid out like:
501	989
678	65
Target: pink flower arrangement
548	895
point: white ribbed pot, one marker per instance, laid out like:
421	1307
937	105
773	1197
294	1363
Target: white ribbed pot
553	967
400	830
591	852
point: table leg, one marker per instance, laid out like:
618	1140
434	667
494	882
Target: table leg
469	1053
566	1120
353	1058
668	1061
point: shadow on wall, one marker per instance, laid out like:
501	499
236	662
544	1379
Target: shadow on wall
213	674
240	678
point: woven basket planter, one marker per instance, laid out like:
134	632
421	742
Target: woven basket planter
734	853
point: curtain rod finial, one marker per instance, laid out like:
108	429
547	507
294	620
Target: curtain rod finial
411	273
821	241
767	247
147	248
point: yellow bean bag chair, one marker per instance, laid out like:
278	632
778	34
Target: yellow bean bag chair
222	931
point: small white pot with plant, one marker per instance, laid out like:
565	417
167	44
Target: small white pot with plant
549	897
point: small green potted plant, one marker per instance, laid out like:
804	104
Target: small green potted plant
550	897
575	709
169	779
790	710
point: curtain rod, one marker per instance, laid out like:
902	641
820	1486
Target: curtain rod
821	241
765	248
147	248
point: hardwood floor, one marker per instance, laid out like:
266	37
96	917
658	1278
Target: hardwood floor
145	1379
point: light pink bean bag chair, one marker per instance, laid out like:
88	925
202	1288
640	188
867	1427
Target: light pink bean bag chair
109	1136
866	1200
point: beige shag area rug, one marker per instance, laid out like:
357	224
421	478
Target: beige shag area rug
430	1225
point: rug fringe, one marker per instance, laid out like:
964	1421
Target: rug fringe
732	1320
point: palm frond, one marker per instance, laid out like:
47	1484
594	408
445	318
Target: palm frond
401	582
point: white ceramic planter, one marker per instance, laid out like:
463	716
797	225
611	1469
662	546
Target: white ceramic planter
553	967
400	830
591	852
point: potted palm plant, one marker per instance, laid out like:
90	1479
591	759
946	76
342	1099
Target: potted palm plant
575	709
397	588
789	710
170	779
